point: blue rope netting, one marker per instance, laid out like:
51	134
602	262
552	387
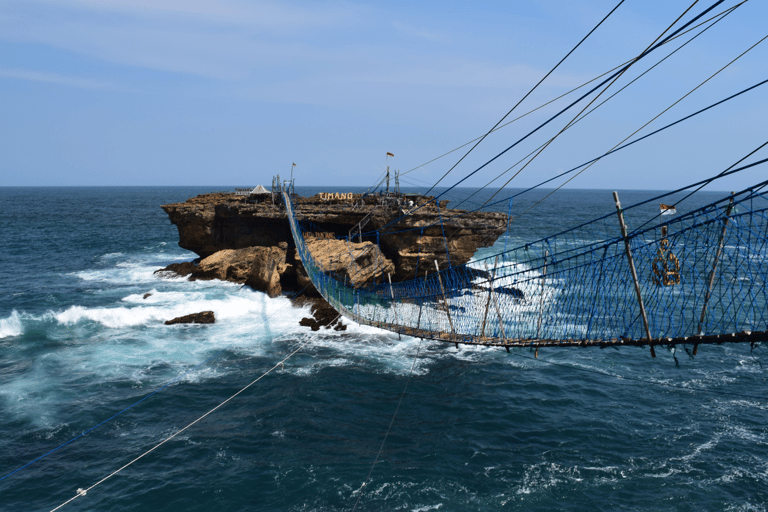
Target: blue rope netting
701	273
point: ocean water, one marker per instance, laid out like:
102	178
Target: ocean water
477	428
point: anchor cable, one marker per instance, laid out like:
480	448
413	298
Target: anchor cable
626	138
139	401
526	95
83	492
727	11
722	16
653	46
407	381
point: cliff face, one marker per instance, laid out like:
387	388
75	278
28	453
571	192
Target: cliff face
211	223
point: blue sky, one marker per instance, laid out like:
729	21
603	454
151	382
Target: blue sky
172	92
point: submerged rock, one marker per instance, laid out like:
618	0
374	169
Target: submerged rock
323	315
204	317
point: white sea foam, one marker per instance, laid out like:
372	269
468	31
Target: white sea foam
545	475
124	339
426	508
162	306
128	342
112	256
11	326
133	269
363	343
30	396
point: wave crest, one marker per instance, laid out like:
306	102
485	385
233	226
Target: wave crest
11	326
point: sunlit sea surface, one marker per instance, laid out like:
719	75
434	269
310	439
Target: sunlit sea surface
477	429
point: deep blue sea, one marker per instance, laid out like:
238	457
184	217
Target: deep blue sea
477	429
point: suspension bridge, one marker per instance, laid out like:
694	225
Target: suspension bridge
696	279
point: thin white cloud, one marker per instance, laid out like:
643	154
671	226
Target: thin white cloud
262	14
54	78
420	32
227	41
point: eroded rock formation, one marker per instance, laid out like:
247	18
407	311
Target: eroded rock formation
352	262
251	243
258	267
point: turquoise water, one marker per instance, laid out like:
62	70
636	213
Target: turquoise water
478	429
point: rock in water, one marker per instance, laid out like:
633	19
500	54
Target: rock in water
221	221
177	269
258	267
324	316
204	317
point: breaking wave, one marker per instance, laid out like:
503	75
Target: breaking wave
11	326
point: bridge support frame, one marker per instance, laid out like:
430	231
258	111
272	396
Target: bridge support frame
633	271
714	264
394	308
541	302
445	300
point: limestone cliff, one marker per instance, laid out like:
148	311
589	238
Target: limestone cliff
211	223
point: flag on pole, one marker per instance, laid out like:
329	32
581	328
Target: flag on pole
667	209
390	154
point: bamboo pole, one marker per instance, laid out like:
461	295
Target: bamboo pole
421	304
720	245
490	289
498	313
633	270
445	301
394	308
541	302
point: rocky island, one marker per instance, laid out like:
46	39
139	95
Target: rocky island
247	238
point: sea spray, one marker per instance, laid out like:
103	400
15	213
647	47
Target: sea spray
11	326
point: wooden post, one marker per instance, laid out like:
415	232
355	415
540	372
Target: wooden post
495	304
714	264
445	301
421	304
490	289
392	293
634	272
541	303
498	314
